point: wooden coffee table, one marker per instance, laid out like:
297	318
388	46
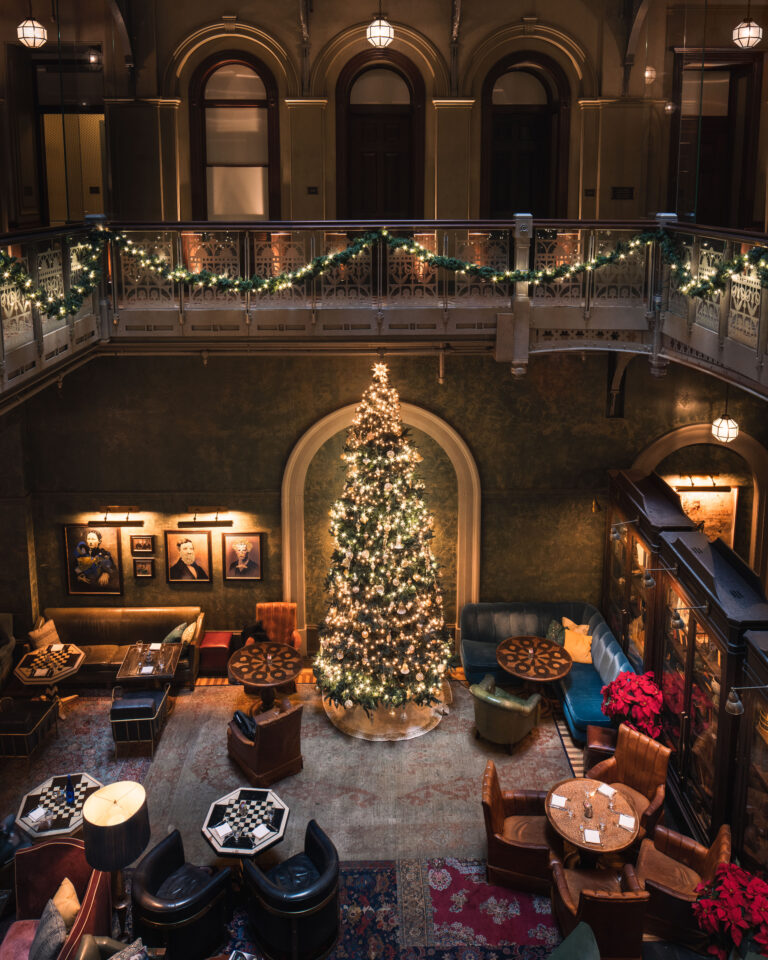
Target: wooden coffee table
264	666
613	838
150	661
533	658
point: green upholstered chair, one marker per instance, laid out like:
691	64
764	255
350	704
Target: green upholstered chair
580	944
502	717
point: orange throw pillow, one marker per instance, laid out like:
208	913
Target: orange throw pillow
579	646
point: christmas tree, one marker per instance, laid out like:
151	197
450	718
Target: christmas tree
383	641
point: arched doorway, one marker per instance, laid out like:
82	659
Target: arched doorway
526	121
380	138
234	146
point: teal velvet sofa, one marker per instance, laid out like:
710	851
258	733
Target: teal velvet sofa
485	625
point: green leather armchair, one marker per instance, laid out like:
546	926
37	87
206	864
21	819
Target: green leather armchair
502	717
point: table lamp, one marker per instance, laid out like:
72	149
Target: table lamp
115	832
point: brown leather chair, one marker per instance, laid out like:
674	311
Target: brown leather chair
520	839
279	622
670	867
275	751
639	769
612	903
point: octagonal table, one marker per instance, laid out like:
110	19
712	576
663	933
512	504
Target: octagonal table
243	811
48	666
261	667
60	819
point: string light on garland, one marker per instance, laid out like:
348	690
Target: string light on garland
747	34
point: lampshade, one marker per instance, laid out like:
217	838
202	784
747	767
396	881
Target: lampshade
380	33
725	429
31	33
115	825
733	704
747	34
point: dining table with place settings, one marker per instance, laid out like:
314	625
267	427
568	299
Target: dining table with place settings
592	815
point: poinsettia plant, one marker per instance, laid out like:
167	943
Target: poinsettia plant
733	909
634	699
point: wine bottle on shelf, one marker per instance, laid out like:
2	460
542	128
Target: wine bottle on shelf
69	791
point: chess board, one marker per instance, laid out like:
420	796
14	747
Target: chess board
260	807
64	819
57	664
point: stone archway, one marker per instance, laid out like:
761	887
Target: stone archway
753	452
468	481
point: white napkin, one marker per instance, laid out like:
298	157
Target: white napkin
606	790
41	672
37	814
627	822
56	647
592	836
221	832
260	831
148	669
155	646
557	801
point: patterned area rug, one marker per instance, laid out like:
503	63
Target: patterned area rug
439	908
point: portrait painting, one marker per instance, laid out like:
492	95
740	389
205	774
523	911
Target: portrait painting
241	556
93	559
188	556
143	567
142	543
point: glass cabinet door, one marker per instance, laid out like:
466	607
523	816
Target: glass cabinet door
673	675
706	678
755	841
637	618
617	582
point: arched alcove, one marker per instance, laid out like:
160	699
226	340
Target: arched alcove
468	491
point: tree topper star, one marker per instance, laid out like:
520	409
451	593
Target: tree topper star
380	371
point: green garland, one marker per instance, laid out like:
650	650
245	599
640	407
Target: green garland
90	254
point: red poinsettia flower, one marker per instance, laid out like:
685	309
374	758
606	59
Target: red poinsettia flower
636	700
733	908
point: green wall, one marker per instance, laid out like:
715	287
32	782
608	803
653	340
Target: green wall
164	434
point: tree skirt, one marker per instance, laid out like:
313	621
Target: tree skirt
398	723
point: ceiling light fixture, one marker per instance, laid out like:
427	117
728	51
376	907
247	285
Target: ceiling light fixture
724	428
747	34
380	32
31	32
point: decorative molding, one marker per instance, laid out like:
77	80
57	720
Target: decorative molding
469	497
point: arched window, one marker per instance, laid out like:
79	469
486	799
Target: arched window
526	106
235	172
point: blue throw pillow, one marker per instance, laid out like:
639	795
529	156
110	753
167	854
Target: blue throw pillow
50	934
175	635
556	632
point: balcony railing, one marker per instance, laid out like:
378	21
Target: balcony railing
390	296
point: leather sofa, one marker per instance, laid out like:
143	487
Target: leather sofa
103	633
485	625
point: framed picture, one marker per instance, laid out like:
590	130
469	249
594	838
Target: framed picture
142	543
241	556
188	556
92	556
143	567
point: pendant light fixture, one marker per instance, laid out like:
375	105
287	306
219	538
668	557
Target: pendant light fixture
724	428
380	32
31	32
747	33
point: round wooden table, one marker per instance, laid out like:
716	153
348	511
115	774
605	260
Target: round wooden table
264	666
613	838
533	658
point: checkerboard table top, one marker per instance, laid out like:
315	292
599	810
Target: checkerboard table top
243	811
50	664
264	664
533	658
50	795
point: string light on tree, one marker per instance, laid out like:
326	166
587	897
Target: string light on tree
383	640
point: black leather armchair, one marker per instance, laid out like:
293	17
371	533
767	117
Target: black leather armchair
294	908
178	905
98	948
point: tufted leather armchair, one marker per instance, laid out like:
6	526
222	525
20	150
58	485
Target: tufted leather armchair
639	769
502	717
39	871
520	839
670	867
178	905
612	903
275	750
279	621
294	908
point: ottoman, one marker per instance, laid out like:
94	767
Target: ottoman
138	717
215	652
25	725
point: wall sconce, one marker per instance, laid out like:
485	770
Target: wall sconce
733	704
648	581
677	621
616	532
216	522
127	522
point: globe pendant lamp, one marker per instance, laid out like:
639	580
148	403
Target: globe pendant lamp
724	428
747	33
380	33
31	32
